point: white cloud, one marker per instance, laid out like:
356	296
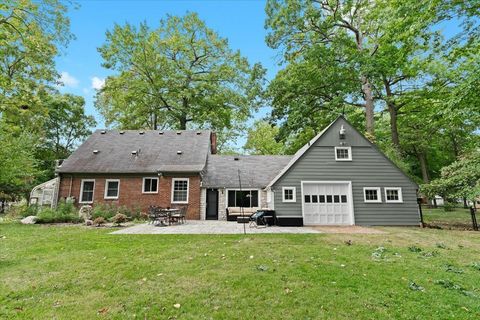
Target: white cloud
97	83
68	80
86	91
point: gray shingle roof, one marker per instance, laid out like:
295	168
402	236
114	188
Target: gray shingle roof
156	152
255	171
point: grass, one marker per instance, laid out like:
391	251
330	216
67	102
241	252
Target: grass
72	272
459	218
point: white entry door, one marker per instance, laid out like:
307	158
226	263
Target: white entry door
327	203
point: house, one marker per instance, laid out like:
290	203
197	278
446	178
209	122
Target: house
338	178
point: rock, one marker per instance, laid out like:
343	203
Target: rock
85	212
88	222
29	220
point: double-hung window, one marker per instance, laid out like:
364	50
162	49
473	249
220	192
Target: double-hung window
180	190
112	188
150	185
86	190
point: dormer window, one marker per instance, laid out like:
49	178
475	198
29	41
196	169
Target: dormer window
343	153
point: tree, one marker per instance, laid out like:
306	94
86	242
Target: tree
31	33
461	179
180	75
261	139
66	125
18	165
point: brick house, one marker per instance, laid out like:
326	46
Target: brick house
339	177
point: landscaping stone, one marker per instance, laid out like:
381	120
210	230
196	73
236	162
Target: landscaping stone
88	222
29	220
85	212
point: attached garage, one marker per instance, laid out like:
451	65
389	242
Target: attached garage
327	203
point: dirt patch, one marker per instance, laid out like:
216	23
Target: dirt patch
348	229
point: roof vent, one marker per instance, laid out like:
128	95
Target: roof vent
103	132
122	132
179	152
236	158
95	151
141	132
134	152
179	132
161	132
199	133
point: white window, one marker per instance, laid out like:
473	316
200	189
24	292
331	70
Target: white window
112	188
180	190
372	194
289	194
150	185
343	153
86	190
393	194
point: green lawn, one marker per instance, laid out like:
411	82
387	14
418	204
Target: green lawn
67	272
459	218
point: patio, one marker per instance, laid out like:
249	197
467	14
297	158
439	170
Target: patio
225	227
209	227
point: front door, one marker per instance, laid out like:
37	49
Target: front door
212	204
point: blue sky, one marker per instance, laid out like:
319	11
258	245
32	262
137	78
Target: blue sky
241	22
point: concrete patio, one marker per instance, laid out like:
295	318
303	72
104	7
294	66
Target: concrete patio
209	227
224	227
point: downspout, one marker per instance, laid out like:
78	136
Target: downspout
70	188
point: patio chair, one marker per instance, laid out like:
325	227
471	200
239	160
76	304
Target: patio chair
180	216
257	220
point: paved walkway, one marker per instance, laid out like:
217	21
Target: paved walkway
209	227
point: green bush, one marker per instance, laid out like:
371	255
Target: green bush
448	206
61	215
105	211
22	210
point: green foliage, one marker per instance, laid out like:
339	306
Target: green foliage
63	214
181	73
105	211
18	165
66	124
31	33
261	139
458	180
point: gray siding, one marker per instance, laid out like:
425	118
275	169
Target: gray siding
368	168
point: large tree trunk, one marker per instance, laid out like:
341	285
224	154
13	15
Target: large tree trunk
392	110
369	106
422	158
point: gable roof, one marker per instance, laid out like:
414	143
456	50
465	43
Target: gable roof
300	153
255	171
157	151
307	146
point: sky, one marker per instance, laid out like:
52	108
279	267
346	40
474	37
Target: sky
241	22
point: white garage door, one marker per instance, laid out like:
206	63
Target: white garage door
327	203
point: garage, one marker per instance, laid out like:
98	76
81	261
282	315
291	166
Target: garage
327	203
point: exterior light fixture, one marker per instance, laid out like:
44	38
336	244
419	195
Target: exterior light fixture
342	132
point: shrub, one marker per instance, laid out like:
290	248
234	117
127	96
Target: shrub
22	210
143	216
104	210
99	221
61	215
449	206
119	218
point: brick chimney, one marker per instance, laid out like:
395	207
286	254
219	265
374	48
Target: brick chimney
213	142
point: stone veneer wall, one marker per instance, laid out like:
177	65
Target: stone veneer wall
203	203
